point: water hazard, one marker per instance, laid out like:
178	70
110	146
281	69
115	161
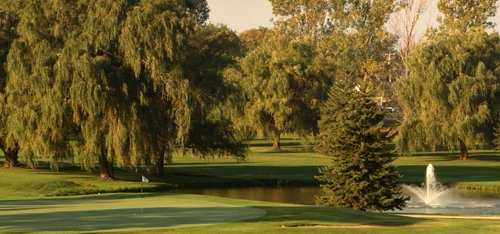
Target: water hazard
430	198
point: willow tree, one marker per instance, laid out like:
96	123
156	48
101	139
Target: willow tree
450	100
462	15
452	95
280	87
153	44
211	50
37	119
99	90
8	23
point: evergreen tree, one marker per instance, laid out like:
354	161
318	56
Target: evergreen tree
352	133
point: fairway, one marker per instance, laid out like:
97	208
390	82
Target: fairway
118	212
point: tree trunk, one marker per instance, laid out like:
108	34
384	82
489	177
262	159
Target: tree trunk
160	166
276	140
11	158
464	153
104	168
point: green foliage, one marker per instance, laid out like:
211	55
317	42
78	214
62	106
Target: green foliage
352	133
35	108
313	20
113	82
212	49
153	42
359	46
452	93
252	38
280	86
463	15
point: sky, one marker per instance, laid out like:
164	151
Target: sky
241	15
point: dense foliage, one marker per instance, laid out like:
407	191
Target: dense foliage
280	88
450	99
113	83
352	133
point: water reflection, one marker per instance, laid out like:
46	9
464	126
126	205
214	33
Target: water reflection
457	202
294	195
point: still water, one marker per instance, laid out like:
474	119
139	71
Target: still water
456	202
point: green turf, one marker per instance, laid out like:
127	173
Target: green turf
181	213
20	182
296	164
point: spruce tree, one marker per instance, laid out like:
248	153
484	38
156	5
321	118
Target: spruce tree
352	133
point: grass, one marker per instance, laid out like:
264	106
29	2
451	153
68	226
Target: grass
19	182
26	204
184	213
296	164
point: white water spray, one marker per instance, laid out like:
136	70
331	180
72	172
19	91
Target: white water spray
431	191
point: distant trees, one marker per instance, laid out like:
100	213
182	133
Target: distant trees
463	15
280	86
114	82
450	99
352	133
252	38
451	96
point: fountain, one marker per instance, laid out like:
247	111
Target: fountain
431	192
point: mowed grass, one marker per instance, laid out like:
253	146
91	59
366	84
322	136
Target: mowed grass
295	164
184	213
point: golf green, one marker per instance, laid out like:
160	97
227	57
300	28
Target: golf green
118	212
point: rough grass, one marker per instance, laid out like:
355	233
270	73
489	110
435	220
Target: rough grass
20	182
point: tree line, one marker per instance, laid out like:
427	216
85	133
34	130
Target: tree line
106	83
126	83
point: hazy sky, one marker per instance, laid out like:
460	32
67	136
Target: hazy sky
241	15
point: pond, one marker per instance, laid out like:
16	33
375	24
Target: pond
453	202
